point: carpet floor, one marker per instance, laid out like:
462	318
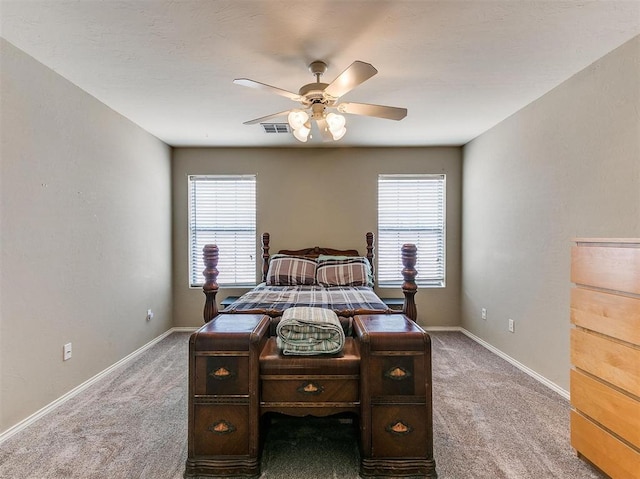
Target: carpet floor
491	421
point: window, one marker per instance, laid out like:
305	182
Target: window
222	210
411	209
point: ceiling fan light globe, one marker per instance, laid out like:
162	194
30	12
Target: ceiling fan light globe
338	134
297	118
302	133
335	122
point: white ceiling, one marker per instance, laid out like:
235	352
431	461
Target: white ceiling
460	67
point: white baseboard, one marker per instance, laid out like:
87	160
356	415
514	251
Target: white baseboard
184	329
551	385
78	389
442	328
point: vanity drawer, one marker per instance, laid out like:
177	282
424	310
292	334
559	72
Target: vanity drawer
222	375
310	389
399	431
397	375
221	429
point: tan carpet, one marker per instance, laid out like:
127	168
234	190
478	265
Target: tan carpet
490	421
493	421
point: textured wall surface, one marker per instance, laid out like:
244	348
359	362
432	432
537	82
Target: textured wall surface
566	166
86	236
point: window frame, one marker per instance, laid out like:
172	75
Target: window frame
433	281
197	281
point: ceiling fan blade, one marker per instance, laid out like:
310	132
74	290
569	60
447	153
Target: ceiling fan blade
324	130
265	118
355	74
379	111
267	88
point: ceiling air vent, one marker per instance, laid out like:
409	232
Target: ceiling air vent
276	127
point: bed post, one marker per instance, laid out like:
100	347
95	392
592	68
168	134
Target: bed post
210	287
265	256
409	286
370	250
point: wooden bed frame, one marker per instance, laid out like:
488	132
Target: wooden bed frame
238	377
211	256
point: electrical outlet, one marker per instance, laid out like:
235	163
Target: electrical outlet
66	352
149	315
483	312
511	325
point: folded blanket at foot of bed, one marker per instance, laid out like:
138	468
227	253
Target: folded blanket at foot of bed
309	331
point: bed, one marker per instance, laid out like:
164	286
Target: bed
343	289
240	375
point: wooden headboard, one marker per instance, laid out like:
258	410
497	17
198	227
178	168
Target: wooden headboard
313	252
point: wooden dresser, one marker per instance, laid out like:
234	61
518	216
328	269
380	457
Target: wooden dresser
382	377
605	354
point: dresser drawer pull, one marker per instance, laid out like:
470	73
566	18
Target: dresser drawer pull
397	373
310	388
222	373
398	428
222	427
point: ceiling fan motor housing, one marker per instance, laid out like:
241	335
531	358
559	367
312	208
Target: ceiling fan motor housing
314	93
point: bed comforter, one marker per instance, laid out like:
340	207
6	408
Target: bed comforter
343	300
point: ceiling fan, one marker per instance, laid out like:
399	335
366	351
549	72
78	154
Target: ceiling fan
318	100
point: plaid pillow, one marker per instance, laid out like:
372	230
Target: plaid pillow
287	270
354	271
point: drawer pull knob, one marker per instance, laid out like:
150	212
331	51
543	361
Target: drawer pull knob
397	373
398	428
222	373
310	388
222	427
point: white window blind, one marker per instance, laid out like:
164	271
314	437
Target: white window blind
411	209
222	210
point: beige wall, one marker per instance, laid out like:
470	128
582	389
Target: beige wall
318	197
565	166
86	236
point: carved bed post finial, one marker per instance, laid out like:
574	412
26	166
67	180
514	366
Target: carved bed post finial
210	287
370	250
265	256
409	286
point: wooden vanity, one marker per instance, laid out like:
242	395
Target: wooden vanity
382	377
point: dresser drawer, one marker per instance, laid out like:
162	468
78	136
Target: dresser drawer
606	405
614	457
222	375
397	375
310	389
399	431
607	267
607	313
611	361
221	429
